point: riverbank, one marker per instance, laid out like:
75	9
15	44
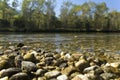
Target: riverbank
21	62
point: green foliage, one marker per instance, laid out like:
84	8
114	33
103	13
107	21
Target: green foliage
39	15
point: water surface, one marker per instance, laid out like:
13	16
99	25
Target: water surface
66	41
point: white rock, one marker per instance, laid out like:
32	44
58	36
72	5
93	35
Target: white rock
4	78
62	77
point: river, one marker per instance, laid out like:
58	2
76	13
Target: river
66	41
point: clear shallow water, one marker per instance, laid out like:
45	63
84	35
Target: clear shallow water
66	41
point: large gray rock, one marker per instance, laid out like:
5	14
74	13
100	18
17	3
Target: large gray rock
28	66
20	76
52	74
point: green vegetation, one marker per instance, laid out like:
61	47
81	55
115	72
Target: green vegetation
39	15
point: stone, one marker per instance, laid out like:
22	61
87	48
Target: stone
52	74
20	45
4	64
4	78
49	60
115	65
28	66
20	76
10	71
108	76
76	55
67	56
82	64
91	75
40	72
80	77
18	60
8	51
48	55
68	70
62	77
29	57
41	78
88	69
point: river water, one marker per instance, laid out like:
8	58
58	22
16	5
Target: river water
66	41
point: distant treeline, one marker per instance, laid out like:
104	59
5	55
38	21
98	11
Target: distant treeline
40	15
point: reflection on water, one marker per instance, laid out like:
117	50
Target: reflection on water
66	41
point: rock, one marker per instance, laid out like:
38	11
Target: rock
4	78
115	65
88	69
8	51
29	57
80	77
59	62
20	76
41	78
108	76
76	55
67	56
82	64
12	47
28	66
91	75
63	65
10	71
52	74
48	55
74	74
18	60
40	65
49	60
62	77
20	45
4	64
40	72
68	70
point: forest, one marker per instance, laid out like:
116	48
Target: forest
40	15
